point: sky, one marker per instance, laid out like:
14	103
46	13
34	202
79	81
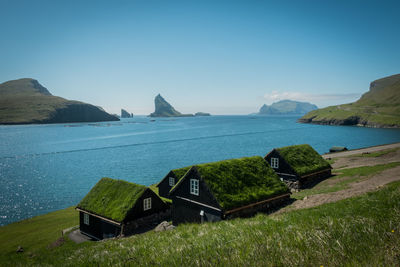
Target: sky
222	57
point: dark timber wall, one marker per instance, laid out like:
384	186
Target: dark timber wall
184	211
284	170
157	205
98	228
164	187
187	211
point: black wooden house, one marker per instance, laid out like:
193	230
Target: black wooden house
226	189
170	180
298	165
117	208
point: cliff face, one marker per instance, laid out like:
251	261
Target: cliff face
26	101
379	108
287	107
164	109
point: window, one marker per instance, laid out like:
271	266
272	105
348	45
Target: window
86	218
147	203
194	187
171	181
275	163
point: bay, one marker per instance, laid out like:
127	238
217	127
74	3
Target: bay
49	167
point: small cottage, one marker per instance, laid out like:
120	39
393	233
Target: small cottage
226	189
298	165
117	208
169	181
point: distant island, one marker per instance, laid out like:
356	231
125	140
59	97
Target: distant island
164	109
197	114
26	101
126	114
287	107
379	107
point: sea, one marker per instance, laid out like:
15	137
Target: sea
44	168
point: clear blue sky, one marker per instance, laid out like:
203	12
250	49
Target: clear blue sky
223	57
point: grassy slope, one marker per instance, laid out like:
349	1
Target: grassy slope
34	235
26	101
359	231
21	102
378	107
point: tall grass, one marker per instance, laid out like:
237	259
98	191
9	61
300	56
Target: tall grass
362	231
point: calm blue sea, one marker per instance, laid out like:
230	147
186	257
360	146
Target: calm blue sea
49	167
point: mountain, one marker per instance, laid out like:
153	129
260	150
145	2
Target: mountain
164	109
126	114
26	101
379	107
287	107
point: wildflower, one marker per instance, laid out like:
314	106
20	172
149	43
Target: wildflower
393	231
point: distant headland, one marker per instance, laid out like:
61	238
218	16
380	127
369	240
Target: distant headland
287	107
379	108
26	101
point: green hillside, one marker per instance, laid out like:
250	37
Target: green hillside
380	107
26	101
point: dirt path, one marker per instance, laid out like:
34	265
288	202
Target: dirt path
355	189
356	161
349	159
360	151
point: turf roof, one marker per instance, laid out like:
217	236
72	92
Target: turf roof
238	182
303	159
112	198
179	173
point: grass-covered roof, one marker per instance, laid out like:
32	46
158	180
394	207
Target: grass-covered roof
179	173
303	159
238	182
112	198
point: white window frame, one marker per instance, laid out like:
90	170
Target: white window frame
275	163
86	218
171	181
194	187
147	203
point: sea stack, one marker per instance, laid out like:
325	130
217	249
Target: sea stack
164	109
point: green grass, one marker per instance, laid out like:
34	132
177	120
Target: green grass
360	231
112	198
34	235
238	182
303	159
351	175
376	154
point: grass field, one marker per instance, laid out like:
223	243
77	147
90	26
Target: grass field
357	231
